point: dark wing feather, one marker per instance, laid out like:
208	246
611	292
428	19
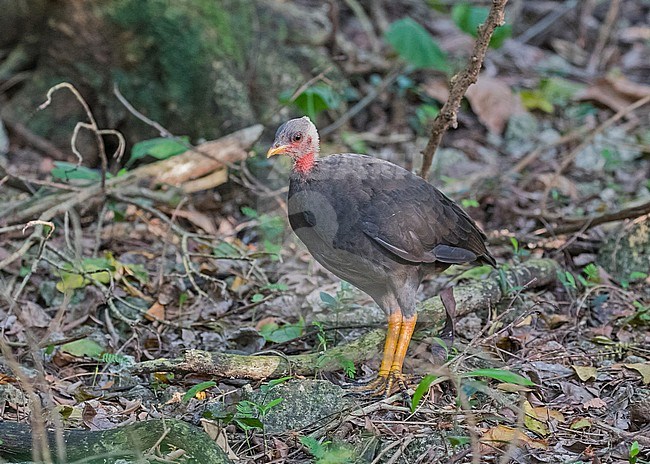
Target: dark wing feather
412	219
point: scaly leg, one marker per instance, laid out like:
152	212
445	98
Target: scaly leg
395	374
390	345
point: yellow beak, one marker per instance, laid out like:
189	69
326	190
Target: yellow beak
276	151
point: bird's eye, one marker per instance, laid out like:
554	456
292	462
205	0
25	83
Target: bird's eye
297	137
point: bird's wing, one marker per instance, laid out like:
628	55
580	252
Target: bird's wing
415	221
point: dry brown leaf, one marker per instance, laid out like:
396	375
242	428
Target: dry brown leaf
595	403
438	89
236	283
4	379
585	372
615	92
537	418
156	312
493	101
203	160
641	368
563	184
512	388
199	219
218	434
501	435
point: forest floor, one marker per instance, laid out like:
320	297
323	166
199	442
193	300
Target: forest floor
553	142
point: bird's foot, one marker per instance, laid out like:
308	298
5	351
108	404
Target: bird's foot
386	385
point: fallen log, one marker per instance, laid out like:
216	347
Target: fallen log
113	445
470	297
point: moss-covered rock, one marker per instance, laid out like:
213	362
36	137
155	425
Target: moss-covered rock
627	251
305	403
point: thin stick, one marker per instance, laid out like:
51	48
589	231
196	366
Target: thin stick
593	221
461	82
604	34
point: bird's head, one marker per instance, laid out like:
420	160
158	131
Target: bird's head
297	138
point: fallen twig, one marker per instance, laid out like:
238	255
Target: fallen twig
589	222
461	82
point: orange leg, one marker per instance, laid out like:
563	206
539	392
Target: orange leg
392	336
408	326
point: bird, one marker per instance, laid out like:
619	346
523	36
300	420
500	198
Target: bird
377	226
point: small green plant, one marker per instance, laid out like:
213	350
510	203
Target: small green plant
346	364
425	113
551	92
634	276
328	452
641	314
567	280
634	451
321	335
591	275
342	300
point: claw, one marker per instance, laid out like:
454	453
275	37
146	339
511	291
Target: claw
386	386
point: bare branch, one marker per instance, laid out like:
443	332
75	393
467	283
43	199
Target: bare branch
461	82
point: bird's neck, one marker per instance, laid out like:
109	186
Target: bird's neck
305	163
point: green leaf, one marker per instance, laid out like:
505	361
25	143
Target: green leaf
501	375
469	17
84	347
535	100
70	171
275	334
458	441
191	393
73	277
276	287
328	300
559	91
422	388
226	250
249	423
635	449
275	382
249	212
637	275
159	148
415	45
257	298
469	203
314	99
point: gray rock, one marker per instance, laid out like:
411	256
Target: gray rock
521	134
305	403
627	251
